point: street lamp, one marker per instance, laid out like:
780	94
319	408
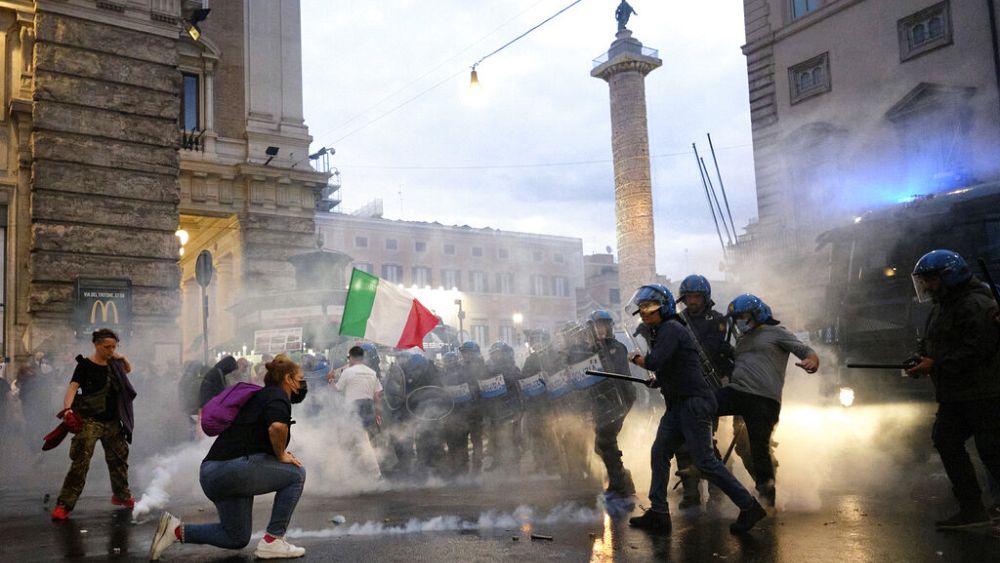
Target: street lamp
461	317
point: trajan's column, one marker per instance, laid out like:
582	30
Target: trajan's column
625	67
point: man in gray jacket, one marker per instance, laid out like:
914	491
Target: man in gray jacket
754	392
961	353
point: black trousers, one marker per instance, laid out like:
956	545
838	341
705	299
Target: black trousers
760	414
954	425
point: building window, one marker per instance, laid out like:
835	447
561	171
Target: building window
505	283
392	273
560	286
537	256
364	266
614	296
477	251
420	246
451	279
391	244
449	249
809	78
360	242
558	258
924	31
539	285
190	98
477	282
503	253
421	276
803	7
481	333
506	333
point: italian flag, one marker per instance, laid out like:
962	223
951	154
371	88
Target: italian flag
380	311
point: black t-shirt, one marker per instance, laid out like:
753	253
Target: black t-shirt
93	378
248	434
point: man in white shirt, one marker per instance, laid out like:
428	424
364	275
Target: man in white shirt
363	391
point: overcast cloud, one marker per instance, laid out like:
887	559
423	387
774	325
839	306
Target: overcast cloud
534	153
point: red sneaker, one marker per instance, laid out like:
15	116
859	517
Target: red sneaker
60	513
127	503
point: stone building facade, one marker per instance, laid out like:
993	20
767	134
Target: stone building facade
506	281
857	104
98	169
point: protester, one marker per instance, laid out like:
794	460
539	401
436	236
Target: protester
215	380
105	405
363	392
247	459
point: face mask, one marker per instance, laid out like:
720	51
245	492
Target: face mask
300	395
743	326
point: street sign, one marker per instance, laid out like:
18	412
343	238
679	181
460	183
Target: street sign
203	269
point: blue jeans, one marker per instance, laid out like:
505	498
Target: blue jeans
689	421
232	484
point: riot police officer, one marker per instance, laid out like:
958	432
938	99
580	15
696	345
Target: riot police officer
475	371
612	400
961	353
461	387
502	405
710	329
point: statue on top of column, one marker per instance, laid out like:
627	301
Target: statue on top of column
622	14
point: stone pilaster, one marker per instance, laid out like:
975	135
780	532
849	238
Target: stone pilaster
104	190
625	71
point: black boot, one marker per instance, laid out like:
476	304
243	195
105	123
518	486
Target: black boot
620	484
966	518
747	518
658	522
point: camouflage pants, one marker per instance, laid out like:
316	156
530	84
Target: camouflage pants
81	449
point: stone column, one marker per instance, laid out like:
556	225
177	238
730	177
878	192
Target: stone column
625	69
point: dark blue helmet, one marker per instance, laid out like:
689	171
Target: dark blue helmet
695	284
414	364
451	360
501	351
469	346
602	315
952	268
657	293
750	303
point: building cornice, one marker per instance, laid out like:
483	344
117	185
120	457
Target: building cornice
803	23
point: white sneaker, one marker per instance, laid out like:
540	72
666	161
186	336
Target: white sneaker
277	549
164	536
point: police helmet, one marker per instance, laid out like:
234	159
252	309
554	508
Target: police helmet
501	351
469	346
695	284
451	360
371	355
952	268
656	293
750	303
601	315
413	364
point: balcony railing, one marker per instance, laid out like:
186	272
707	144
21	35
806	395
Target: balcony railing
644	51
192	140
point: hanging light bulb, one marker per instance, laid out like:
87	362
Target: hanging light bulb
474	80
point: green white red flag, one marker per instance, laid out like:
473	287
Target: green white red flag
383	313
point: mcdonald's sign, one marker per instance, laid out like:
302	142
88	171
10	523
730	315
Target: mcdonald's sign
105	302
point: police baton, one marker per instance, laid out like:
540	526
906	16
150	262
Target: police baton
611	375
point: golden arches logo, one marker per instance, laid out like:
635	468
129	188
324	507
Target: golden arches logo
105	306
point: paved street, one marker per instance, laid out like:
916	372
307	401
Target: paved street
488	523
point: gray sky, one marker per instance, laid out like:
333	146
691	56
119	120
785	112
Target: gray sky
386	84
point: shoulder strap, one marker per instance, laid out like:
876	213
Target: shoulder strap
706	364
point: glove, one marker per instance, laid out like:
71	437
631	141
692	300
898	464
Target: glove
54	438
72	420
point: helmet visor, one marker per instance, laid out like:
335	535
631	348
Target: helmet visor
920	287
